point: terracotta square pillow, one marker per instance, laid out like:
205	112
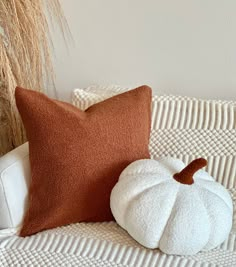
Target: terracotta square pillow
76	156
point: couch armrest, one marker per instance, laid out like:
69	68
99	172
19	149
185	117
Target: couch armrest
14	182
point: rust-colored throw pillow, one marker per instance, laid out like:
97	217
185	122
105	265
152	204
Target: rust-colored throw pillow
77	156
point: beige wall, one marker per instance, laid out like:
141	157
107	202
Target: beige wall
177	46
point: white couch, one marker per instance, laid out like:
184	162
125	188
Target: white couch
181	127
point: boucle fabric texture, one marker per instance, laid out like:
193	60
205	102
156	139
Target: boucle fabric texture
184	128
104	245
160	212
77	156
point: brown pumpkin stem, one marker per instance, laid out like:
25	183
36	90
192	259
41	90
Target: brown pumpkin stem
186	175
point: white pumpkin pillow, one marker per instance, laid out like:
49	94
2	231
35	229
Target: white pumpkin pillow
164	204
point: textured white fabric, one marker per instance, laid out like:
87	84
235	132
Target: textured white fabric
84	98
185	128
160	212
103	244
14	181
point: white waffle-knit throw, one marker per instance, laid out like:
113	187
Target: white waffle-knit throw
103	245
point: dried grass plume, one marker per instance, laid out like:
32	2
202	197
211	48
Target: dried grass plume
25	58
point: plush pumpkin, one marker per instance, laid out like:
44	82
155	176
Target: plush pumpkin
164	204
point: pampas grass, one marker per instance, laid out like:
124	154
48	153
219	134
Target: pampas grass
25	58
